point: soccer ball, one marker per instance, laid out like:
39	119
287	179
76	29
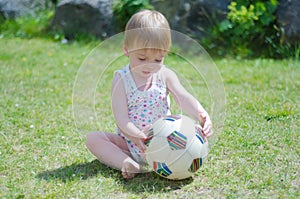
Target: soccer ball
176	147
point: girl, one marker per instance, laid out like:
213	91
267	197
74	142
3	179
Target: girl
140	95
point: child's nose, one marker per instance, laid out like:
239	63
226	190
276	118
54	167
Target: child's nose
154	64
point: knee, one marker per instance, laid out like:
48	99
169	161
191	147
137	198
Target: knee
90	140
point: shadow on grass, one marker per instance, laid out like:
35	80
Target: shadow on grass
145	182
76	171
153	183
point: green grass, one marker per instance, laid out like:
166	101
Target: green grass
43	155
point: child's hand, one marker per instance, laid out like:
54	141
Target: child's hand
206	124
140	141
146	130
140	144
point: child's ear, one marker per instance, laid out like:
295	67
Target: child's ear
125	50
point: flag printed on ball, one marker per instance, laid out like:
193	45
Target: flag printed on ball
196	164
161	169
177	140
176	147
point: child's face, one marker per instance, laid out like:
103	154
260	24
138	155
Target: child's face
146	62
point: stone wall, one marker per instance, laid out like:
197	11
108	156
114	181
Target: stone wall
93	17
192	17
288	19
10	9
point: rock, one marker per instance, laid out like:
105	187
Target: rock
193	17
11	9
288	15
92	17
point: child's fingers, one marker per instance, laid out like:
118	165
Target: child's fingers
207	129
206	124
146	129
141	146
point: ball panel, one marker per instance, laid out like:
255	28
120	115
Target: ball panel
200	134
180	167
161	169
197	149
196	164
194	149
173	156
204	150
171	119
180	175
150	135
158	150
177	140
200	138
187	125
161	128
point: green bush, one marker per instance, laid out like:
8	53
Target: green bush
27	26
250	29
124	9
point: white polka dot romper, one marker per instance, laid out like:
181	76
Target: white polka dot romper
144	107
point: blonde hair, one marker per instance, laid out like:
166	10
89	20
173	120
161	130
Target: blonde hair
147	29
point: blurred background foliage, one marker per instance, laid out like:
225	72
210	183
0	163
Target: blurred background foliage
124	9
249	30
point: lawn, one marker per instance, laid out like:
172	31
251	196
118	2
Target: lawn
43	154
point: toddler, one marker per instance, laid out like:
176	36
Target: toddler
140	95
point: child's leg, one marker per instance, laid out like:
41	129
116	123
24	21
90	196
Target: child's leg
112	150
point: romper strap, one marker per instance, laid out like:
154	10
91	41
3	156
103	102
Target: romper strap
159	80
127	79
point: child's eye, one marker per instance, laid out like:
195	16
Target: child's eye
142	59
158	60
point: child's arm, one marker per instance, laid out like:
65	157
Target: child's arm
187	102
120	111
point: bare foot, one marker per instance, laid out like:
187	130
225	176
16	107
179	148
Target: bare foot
130	169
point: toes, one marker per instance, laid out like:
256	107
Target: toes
127	175
128	170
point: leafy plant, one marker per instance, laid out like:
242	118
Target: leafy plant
27	26
124	9
250	29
